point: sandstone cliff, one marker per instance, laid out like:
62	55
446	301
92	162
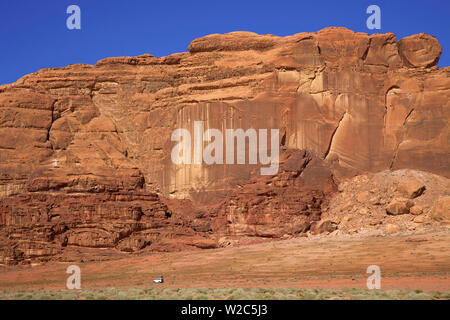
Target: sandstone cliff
85	149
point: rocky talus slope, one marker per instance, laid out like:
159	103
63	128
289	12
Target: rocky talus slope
85	150
389	202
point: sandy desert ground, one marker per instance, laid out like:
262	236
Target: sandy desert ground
417	262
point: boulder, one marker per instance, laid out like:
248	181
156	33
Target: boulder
420	50
323	226
416	210
392	228
411	188
399	206
441	209
419	219
363	196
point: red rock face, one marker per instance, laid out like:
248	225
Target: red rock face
82	148
282	205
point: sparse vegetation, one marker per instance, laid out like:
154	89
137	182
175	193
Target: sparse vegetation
222	293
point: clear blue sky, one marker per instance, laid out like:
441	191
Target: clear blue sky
34	34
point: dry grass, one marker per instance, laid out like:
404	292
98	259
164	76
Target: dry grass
222	294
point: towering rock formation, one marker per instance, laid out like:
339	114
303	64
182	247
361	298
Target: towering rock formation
85	151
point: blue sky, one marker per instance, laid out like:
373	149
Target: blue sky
34	34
